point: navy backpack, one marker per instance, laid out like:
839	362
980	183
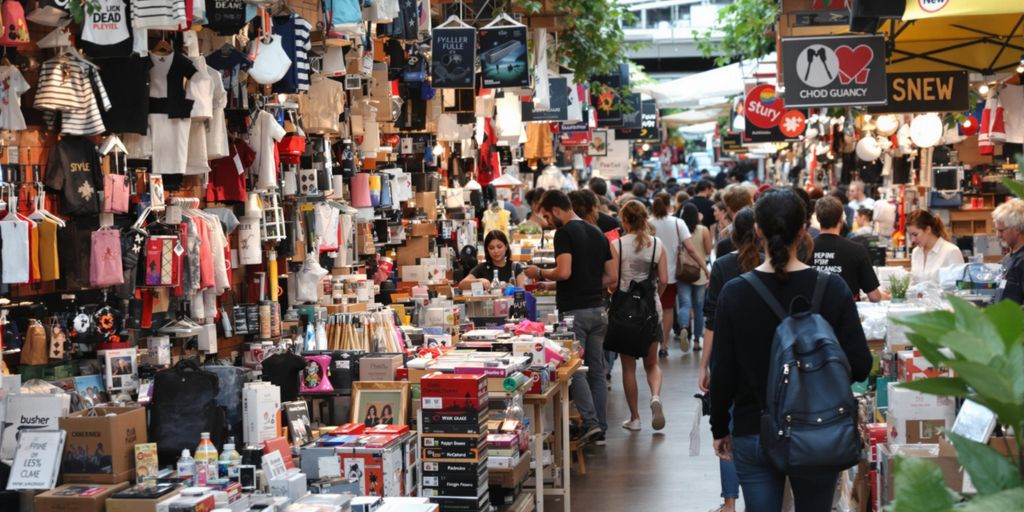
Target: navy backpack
809	420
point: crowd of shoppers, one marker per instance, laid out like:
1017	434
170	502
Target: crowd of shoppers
694	243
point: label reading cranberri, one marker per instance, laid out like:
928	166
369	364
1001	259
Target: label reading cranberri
834	71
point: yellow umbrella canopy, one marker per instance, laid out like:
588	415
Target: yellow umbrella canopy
987	43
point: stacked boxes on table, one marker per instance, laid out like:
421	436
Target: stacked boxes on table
454	441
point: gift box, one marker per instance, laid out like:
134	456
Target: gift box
916	417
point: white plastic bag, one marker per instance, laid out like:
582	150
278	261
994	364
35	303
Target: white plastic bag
695	431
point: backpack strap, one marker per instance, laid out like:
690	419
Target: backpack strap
620	264
765	294
819	292
654	252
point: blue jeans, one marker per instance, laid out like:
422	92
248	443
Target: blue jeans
609	361
590	390
691	296
763	484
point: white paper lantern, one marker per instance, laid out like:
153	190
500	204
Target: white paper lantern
868	149
811	133
887	125
926	130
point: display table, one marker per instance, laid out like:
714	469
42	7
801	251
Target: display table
539	402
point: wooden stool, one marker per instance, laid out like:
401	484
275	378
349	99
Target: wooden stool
578	457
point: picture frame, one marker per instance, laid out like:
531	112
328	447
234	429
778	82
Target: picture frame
373	401
598	145
121	370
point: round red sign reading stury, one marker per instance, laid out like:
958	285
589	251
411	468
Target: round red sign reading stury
763	108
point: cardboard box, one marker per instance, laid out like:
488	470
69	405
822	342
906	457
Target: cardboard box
77	497
138	505
916	417
110	435
414	249
423	229
380	367
875	434
911	365
427	201
942	454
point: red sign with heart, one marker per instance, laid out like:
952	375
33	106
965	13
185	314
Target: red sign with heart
853	63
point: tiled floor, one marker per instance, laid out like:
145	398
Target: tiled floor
645	470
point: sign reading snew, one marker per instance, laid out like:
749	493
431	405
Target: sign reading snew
929	91
834	71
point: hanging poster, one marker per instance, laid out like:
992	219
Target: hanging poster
606	98
503	57
559	104
834	71
648	116
453	52
617	162
732	144
767	119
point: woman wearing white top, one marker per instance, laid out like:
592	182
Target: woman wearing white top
638	250
932	250
676	235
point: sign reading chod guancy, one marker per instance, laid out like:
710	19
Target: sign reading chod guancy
834	71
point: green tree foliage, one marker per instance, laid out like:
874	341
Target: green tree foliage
746	28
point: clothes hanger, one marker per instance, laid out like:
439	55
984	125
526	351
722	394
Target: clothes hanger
162	47
112	143
39	211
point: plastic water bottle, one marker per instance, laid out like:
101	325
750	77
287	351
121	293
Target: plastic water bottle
187	466
229	461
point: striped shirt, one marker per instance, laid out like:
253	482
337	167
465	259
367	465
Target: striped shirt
74	91
158	14
294	32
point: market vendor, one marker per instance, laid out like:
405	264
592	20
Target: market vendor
932	248
498	257
1009	221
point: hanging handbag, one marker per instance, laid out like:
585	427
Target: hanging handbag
686	270
105	265
35	350
270	61
633	322
115	190
163	260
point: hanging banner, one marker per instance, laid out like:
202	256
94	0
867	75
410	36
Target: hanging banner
648	123
606	100
765	113
453	51
834	71
732	143
929	91
926	9
559	104
503	57
616	162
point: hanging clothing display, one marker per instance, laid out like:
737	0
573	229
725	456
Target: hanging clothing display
159	14
74	169
264	135
169	112
127	82
294	32
106	31
319	107
12	86
67	93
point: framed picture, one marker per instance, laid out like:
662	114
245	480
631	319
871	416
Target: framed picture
598	143
120	370
380	403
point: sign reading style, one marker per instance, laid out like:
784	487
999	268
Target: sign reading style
834	71
930	91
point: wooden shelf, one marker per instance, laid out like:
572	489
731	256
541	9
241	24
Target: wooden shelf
970	222
509	478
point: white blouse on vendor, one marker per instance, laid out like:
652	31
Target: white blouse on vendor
925	267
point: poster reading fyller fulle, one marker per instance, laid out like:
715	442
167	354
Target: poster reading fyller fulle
454	58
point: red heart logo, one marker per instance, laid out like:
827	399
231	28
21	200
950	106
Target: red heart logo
853	63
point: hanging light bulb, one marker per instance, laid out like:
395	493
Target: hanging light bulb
281	98
438	149
646	147
983	89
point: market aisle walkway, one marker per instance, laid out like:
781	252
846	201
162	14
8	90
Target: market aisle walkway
648	471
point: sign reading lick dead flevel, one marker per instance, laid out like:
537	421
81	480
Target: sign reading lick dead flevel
930	91
834	71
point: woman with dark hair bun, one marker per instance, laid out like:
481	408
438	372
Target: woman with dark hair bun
744	330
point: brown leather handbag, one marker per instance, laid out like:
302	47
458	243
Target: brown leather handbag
35	351
686	270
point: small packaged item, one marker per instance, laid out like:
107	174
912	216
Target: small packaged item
316	375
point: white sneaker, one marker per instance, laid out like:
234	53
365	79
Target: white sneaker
658	421
633	425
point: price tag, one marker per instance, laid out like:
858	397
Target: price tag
238	164
477	289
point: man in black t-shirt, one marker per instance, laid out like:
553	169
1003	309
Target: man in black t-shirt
703	202
838	255
584	268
